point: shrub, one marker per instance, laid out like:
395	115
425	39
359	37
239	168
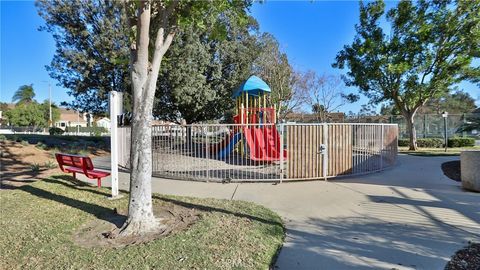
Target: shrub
461	142
55	131
50	164
2	138
41	145
16	138
35	167
24	143
403	142
97	131
430	143
423	142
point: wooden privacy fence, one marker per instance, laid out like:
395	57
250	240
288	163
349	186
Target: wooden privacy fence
252	152
329	150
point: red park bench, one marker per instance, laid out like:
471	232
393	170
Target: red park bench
80	164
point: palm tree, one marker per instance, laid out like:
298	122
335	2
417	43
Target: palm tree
24	94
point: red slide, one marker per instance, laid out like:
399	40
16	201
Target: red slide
264	143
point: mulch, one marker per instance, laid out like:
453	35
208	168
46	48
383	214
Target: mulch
467	258
451	169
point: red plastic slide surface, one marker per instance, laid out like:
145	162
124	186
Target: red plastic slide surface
263	143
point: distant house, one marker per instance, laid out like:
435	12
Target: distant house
103	122
333	117
71	118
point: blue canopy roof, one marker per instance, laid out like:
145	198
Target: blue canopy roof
253	85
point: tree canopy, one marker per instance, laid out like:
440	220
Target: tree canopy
457	102
200	71
430	48
272	65
92	49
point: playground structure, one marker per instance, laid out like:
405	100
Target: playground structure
257	148
256	133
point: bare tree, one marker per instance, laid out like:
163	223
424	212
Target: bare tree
297	97
324	94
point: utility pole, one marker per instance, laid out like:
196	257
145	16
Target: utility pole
50	122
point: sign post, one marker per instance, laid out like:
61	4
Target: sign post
115	110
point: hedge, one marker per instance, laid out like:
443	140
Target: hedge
439	142
96	130
55	131
461	142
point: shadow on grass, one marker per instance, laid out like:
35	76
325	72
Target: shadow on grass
96	210
70	182
204	208
105	213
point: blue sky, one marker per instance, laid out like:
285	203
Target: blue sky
311	33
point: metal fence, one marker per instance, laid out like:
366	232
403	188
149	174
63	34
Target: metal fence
267	152
426	125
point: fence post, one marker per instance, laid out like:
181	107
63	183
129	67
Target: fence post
381	148
207	155
325	155
282	138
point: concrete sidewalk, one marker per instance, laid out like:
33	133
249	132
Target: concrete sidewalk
407	217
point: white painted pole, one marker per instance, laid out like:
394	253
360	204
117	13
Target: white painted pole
114	141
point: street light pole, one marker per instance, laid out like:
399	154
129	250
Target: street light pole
50	122
445	115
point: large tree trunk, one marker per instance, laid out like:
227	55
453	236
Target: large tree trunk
144	75
140	212
412	132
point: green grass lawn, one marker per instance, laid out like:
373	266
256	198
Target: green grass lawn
436	151
38	220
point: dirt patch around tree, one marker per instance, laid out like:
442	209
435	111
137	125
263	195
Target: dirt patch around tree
451	169
467	258
174	218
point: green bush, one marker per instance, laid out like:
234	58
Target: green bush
461	142
35	167
97	131
403	142
41	145
430	143
2	138
16	138
24	143
423	142
50	164
55	131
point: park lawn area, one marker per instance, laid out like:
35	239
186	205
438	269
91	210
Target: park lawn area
38	221
455	151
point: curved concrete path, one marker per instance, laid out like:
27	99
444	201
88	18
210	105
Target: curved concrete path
407	217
